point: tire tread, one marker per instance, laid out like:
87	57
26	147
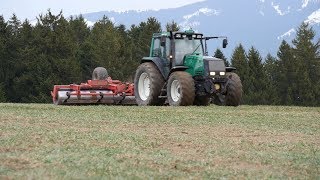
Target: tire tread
157	82
234	92
187	88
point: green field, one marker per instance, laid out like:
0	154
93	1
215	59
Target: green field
46	141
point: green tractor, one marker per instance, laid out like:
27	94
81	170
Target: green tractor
179	72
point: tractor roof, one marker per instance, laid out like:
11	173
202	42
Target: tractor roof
179	34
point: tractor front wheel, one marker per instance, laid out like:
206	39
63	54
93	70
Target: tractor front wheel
148	83
180	89
234	90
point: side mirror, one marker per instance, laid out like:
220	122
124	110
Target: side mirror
224	43
163	41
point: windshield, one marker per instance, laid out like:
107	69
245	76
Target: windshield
186	46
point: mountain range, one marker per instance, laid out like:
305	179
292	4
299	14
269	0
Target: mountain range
259	23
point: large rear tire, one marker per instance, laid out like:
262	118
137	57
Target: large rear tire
234	90
148	83
180	89
99	73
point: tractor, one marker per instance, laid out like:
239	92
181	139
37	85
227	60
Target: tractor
179	72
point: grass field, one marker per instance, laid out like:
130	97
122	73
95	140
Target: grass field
46	141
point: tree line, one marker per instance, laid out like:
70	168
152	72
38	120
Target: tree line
58	50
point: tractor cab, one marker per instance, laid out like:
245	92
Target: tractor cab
175	45
187	43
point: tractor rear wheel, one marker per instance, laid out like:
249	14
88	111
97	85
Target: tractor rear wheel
234	90
148	83
202	100
180	89
99	73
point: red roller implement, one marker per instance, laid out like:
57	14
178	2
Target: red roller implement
94	92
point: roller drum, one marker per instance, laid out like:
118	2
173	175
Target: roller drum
106	97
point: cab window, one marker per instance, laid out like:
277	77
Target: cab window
156	51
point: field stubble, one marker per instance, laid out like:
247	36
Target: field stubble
42	140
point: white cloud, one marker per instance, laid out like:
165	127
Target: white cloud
204	11
33	22
112	19
89	23
32	8
261	12
136	10
187	23
261	7
287	34
305	3
314	18
277	8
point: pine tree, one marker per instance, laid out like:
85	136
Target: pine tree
287	74
126	57
79	28
257	78
134	34
219	54
173	26
134	47
109	48
2	94
55	61
23	69
14	25
86	58
271	69
80	33
3	67
308	66
3	46
151	26
13	60
239	60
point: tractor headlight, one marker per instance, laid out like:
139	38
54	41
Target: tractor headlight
217	86
222	73
212	73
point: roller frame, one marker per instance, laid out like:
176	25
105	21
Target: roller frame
94	92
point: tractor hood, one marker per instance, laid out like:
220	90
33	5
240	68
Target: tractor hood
199	65
212	64
195	64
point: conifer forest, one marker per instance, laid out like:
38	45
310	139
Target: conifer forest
60	50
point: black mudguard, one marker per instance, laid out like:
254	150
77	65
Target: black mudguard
162	64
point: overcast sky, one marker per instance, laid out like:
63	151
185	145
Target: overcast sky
31	8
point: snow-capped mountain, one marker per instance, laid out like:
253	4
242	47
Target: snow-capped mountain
259	23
